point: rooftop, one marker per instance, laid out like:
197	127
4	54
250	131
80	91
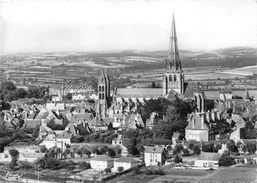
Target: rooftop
102	158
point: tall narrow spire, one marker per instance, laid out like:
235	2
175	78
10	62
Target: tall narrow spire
173	50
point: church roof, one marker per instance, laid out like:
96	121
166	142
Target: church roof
139	92
191	88
171	95
195	122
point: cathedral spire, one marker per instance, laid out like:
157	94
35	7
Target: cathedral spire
173	50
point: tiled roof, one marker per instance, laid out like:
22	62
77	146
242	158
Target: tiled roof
139	92
153	149
209	156
97	122
191	88
195	123
102	158
64	135
127	160
132	120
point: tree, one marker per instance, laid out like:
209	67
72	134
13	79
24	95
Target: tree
178	149
43	149
208	147
177	159
107	170
84	165
79	152
185	152
111	153
153	85
231	146
14	155
136	171
226	160
196	149
69	96
120	169
87	152
130	144
251	147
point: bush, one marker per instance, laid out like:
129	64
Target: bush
197	150
108	170
177	159
84	165
154	172
226	160
26	166
136	171
120	169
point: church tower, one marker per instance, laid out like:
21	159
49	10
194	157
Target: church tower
173	75
103	94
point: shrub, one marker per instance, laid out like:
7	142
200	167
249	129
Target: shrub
154	172
120	169
26	166
177	159
197	150
186	152
136	171
226	160
108	170
84	165
208	147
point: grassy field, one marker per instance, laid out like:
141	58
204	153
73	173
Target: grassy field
129	178
171	175
232	174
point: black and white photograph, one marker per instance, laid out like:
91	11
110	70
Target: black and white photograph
128	91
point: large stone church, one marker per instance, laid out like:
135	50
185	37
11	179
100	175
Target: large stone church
173	83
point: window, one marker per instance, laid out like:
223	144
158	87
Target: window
99	88
175	79
102	88
99	96
102	96
170	78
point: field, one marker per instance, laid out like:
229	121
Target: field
243	71
232	174
172	175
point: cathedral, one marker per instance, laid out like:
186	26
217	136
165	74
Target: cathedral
173	84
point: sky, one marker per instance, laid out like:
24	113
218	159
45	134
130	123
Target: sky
108	25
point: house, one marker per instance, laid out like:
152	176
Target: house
118	142
133	121
63	139
198	128
26	153
98	124
126	163
101	162
50	140
75	117
207	160
154	155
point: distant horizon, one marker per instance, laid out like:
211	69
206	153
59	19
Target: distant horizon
128	50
